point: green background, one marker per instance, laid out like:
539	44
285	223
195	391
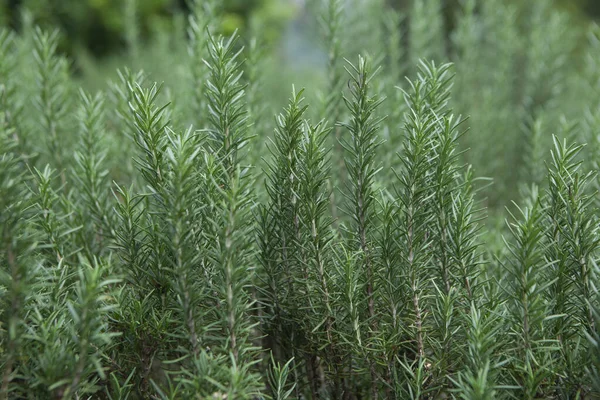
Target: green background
99	25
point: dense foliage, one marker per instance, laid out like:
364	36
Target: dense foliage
165	242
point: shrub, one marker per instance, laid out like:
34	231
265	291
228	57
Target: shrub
149	248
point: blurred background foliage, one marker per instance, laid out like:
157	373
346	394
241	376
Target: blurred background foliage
99	26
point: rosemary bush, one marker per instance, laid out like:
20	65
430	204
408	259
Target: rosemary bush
162	242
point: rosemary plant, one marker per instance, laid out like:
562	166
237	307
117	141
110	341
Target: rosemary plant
149	248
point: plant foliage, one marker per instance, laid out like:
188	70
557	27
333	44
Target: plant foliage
150	250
